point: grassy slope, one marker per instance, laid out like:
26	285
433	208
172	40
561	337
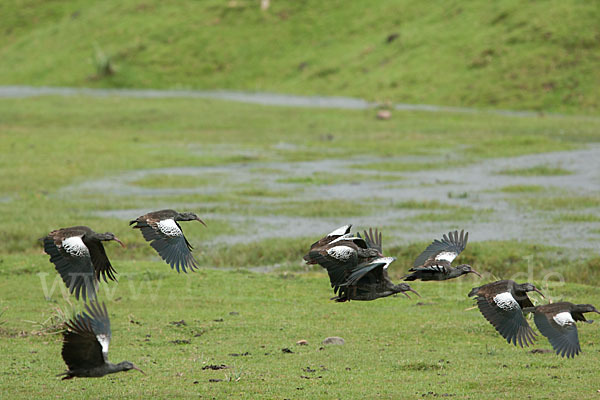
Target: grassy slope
394	347
509	54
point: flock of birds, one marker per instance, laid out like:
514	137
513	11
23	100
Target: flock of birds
357	270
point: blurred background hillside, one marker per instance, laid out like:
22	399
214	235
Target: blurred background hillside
538	55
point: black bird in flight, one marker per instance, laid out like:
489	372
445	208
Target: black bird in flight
161	229
356	266
502	304
79	257
434	264
556	321
85	345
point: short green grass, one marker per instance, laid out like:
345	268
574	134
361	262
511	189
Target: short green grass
328	178
173	326
175	181
523	189
538	170
516	55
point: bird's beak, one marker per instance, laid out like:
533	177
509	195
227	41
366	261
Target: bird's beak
414	291
539	291
476	273
198	219
137	369
118	241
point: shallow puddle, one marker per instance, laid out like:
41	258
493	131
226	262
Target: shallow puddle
395	203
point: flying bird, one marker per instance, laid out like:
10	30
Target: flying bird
340	250
85	345
79	257
556	321
434	264
161	229
502	304
356	266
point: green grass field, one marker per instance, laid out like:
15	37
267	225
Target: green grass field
511	54
150	154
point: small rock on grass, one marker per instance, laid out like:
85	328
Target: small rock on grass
334	340
302	342
384	114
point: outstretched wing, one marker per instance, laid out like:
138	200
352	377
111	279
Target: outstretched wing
360	271
504	313
446	249
72	260
335	234
86	340
338	260
561	331
166	237
100	261
373	239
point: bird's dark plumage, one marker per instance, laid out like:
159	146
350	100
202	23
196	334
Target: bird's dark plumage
356	266
502	304
79	257
434	264
161	229
556	321
86	342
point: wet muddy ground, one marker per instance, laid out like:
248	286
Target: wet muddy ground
490	199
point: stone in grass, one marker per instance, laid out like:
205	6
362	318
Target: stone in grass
302	342
334	340
384	114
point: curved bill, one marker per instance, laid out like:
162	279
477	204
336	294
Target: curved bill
476	273
412	290
198	219
538	290
118	241
137	369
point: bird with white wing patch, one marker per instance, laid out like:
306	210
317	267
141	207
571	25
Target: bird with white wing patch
356	266
79	257
85	345
502	304
161	229
434	264
556	321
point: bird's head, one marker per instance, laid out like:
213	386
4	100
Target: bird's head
127	365
528	287
587	308
188	216
110	236
467	269
404	287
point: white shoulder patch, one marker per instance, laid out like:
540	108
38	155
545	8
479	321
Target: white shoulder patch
346	236
342	253
564	318
104	342
342	230
386	260
75	247
505	301
446	255
169	227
